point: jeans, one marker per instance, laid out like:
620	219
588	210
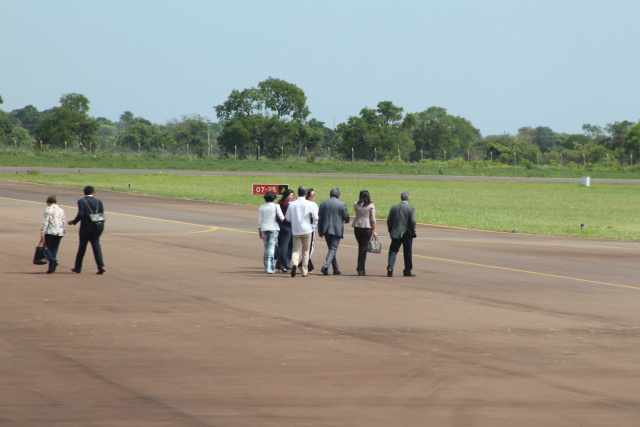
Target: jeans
270	238
363	235
53	243
332	243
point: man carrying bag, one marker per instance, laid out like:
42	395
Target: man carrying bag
91	218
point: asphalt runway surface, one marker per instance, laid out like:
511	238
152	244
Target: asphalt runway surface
186	328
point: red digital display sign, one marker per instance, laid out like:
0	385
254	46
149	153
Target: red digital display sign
262	189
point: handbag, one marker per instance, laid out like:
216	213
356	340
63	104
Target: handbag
40	257
374	246
97	219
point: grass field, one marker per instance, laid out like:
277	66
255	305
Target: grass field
606	210
455	167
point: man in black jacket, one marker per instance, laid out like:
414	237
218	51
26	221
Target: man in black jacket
89	231
401	224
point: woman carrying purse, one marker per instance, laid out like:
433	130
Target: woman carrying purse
364	227
53	229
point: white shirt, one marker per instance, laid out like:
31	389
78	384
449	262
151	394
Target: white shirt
303	216
267	217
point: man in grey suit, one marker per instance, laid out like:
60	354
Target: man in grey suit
332	217
402	229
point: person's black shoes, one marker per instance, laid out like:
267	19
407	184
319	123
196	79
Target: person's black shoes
337	272
293	270
75	270
101	270
409	274
325	271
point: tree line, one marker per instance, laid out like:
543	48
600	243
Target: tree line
272	120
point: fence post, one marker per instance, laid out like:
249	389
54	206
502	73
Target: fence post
352	155
445	155
399	155
514	158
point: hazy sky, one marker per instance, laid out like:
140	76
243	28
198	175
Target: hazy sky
500	64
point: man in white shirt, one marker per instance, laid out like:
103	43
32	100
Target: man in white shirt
303	218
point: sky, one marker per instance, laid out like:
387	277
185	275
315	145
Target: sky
500	64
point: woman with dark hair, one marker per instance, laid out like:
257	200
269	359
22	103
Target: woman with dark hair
364	227
53	229
268	229
285	243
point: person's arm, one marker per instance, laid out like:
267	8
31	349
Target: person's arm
279	212
390	219
372	219
80	215
345	214
412	221
260	222
320	220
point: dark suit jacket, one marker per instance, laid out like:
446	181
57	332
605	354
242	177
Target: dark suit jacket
331	216
402	219
83	212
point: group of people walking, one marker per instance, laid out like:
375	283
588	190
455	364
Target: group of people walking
54	229
289	229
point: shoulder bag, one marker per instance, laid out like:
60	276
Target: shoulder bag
96	219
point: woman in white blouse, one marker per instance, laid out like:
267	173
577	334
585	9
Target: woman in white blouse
53	229
364	227
268	229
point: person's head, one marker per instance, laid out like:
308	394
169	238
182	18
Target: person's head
89	190
335	192
404	196
365	198
310	194
52	200
287	195
270	196
302	191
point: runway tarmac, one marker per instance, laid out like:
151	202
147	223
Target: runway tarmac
186	329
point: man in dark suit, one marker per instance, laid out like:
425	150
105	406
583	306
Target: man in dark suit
332	217
402	229
89	232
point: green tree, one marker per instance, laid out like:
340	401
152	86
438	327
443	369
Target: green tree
285	99
381	133
28	117
616	132
436	131
69	123
191	134
632	142
260	119
147	137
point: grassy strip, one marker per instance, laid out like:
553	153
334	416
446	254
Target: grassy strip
606	210
456	167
